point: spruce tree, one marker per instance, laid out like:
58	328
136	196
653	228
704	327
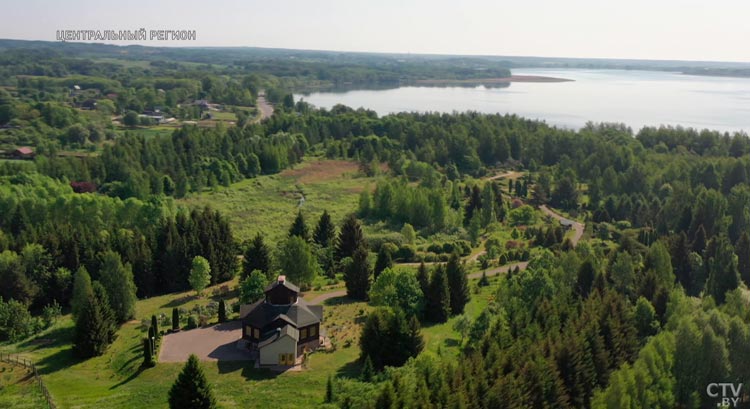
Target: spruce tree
357	275
423	277
383	261
325	231
438	299
350	238
117	279
299	227
95	325
368	371
82	290
256	257
329	390
458	284
722	270
148	353
191	390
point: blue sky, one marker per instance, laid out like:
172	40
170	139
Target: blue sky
654	29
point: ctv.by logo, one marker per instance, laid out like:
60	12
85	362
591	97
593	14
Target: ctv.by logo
728	393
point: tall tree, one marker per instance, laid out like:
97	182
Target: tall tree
299	227
82	290
200	274
297	261
383	261
357	275
325	231
722	270
438	307
95	325
742	248
350	238
257	257
191	390
458	284
117	279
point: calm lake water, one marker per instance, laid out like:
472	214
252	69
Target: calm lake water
636	98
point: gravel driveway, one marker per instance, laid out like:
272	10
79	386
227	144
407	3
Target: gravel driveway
214	343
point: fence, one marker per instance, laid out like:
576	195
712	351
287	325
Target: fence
26	363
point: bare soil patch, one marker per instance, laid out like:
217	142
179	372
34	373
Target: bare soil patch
321	171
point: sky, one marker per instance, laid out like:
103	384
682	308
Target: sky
654	29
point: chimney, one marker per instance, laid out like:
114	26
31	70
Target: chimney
282	279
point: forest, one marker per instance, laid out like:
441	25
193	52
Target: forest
649	307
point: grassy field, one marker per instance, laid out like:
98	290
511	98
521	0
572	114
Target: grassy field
18	389
268	204
115	380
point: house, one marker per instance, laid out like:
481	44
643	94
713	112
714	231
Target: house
23	152
282	326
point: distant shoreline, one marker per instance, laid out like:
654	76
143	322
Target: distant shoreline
512	78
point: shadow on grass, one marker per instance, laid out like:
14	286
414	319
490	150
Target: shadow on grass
351	370
340	300
54	338
180	301
129	378
60	360
452	342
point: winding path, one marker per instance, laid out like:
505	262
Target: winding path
264	108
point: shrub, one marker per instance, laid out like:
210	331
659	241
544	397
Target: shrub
406	253
192	321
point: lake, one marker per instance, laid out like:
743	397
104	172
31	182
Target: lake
635	98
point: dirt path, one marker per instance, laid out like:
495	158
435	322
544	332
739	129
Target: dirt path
265	108
576	226
321	298
510	175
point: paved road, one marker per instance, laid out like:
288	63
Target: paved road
215	343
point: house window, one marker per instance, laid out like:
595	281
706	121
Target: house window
313	331
303	333
256	333
248	331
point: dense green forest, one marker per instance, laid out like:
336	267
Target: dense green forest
645	311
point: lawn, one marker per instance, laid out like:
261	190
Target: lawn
268	204
19	389
115	380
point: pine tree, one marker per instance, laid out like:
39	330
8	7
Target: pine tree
191	390
257	257
175	319
95	325
222	311
325	231
368	371
585	280
357	275
82	290
118	281
423	277
438	299
299	227
350	238
387	397
458	284
383	261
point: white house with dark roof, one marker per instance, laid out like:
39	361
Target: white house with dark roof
281	326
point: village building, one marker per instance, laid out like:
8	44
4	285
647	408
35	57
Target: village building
23	153
282	326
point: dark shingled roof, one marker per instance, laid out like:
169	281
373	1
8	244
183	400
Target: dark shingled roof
285	283
299	314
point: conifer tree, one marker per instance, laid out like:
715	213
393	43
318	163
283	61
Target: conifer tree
175	319
458	284
357	275
257	257
155	326
350	238
82	290
95	325
117	279
368	371
329	390
148	353
325	231
438	300
299	227
383	261
191	390
722	270
742	248
222	311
